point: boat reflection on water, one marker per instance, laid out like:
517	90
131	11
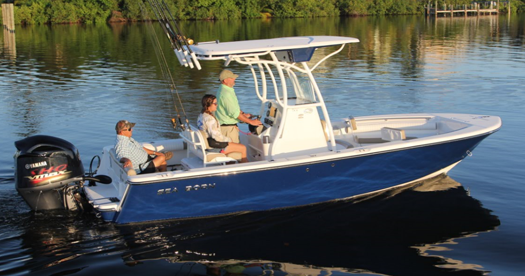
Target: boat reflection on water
382	233
390	233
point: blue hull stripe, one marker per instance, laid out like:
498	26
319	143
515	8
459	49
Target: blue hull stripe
288	186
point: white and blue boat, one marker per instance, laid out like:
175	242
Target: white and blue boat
301	156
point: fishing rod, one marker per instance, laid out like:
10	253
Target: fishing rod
184	52
179	37
165	71
183	38
166	27
169	31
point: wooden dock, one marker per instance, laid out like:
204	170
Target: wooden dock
474	9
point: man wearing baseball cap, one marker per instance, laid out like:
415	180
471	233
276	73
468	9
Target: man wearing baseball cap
133	154
229	112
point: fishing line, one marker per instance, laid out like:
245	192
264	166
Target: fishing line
164	66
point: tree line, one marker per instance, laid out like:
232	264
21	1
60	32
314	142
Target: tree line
101	11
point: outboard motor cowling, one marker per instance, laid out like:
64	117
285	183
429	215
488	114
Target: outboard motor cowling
45	169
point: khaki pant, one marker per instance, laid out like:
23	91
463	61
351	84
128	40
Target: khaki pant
232	132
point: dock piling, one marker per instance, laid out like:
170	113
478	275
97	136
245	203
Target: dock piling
8	17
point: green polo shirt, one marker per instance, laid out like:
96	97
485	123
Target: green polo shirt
228	109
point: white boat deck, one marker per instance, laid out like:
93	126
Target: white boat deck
419	130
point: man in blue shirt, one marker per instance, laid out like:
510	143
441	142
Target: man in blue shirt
133	154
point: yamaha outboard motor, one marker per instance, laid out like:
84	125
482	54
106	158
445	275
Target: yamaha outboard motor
49	173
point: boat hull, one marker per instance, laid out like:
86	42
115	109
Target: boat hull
287	186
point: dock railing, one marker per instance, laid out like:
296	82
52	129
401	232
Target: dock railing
474	9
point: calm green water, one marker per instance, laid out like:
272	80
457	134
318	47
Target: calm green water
76	82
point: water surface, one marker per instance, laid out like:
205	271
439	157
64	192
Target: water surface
76	82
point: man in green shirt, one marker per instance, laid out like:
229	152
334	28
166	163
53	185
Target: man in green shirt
229	112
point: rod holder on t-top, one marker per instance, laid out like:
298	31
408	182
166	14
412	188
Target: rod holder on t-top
179	42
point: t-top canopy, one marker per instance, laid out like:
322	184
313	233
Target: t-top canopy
211	49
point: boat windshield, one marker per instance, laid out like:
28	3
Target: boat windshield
300	88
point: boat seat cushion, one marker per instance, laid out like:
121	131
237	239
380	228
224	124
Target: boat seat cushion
369	140
388	134
205	140
344	144
235	155
197	146
392	134
210	157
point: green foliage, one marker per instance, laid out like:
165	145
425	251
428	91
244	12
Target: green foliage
100	11
304	8
34	14
180	9
131	9
212	9
64	11
518	6
23	15
404	7
452	2
380	7
250	8
226	9
355	7
111	5
61	12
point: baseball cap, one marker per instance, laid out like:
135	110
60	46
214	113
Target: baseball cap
225	74
123	124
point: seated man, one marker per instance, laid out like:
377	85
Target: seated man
133	154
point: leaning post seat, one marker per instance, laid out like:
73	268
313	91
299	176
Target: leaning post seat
197	154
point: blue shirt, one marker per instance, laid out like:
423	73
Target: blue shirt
127	147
